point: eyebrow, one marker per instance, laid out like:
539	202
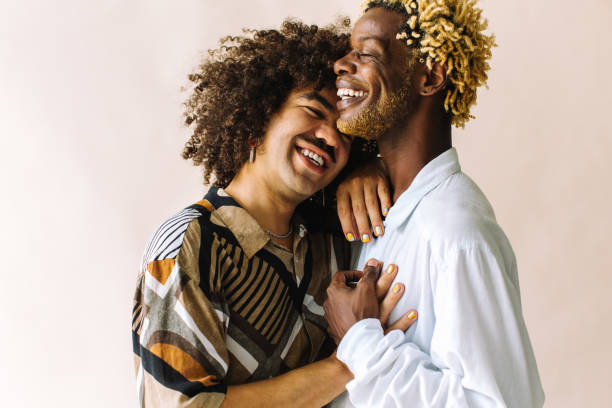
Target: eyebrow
381	41
317	97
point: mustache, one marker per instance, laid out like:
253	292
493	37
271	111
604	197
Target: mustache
321	144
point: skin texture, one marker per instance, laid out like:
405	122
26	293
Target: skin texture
370	298
363	199
377	63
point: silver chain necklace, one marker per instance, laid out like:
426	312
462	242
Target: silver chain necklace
287	235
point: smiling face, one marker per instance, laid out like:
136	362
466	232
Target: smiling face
374	77
302	150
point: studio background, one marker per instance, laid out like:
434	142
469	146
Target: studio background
91	134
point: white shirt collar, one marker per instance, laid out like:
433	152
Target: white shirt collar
430	176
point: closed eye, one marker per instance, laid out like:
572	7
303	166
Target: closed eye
366	55
315	112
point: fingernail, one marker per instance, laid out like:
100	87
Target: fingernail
378	231
397	288
412	315
385	211
372	262
390	269
365	238
350	237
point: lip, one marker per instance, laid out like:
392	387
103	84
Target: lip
308	164
303	144
344	104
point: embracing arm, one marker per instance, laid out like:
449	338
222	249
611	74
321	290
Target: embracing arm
480	353
311	386
182	346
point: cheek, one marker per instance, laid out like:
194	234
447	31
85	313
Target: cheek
342	156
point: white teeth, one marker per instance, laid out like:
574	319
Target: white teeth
315	158
347	92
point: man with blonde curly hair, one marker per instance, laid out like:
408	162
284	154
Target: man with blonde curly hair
412	72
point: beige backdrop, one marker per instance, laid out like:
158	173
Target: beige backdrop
90	125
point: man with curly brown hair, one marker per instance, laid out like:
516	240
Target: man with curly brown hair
228	308
413	71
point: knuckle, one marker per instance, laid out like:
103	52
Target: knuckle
358	208
372	203
343	211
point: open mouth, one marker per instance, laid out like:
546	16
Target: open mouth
348	93
312	157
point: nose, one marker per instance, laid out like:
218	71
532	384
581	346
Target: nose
345	65
329	139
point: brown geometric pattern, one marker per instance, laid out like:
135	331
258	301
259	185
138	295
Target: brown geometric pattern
218	303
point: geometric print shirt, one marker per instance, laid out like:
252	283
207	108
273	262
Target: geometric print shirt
218	303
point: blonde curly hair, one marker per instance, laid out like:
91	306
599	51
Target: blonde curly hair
450	33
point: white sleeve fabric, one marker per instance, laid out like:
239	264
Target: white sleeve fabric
480	352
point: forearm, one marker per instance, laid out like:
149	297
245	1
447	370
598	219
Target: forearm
311	386
389	371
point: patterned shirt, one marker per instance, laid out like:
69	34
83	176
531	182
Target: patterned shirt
218	303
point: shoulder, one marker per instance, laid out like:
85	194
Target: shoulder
457	215
168	240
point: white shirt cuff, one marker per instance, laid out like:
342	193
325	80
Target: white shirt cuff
351	350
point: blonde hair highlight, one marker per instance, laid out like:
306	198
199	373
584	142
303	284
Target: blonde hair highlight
449	33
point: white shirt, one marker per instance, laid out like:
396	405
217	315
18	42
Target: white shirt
469	347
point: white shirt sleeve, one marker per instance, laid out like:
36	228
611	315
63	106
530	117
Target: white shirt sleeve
480	352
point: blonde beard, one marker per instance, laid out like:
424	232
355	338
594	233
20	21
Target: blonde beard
373	121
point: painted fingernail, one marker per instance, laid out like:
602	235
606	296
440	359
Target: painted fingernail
365	238
396	288
390	269
350	237
412	315
372	262
385	211
378	231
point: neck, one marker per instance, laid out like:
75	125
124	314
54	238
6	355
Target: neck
409	146
270	209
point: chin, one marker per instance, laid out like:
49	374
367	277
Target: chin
363	126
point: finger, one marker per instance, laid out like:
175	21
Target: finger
345	214
361	215
373	207
404	322
371	272
390	301
342	277
355	227
385	280
384	196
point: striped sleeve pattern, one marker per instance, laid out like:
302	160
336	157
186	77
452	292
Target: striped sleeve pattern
219	304
178	334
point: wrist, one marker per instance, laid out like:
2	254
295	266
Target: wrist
341	370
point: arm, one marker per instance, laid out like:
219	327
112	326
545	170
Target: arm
180	342
311	386
178	335
480	354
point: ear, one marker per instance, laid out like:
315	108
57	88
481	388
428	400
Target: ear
433	80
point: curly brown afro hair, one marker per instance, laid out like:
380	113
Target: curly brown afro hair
246	80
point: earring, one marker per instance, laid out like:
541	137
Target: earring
252	143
